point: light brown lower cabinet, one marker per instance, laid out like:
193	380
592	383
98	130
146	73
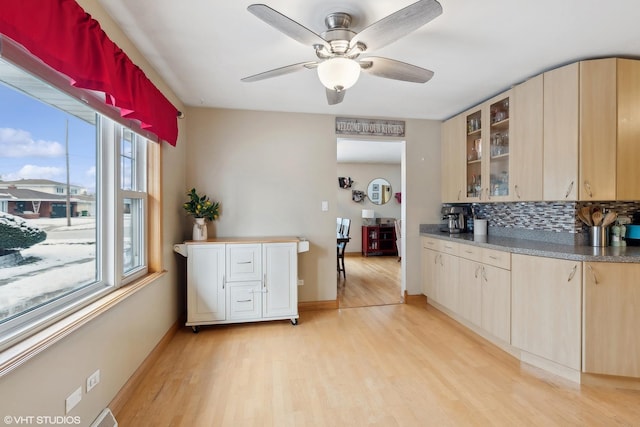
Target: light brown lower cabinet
546	308
612	318
496	302
484	297
429	264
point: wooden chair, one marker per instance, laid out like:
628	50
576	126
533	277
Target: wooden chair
342	246
339	225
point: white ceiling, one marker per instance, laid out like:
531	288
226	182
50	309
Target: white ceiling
202	48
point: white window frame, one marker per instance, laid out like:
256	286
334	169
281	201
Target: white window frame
109	205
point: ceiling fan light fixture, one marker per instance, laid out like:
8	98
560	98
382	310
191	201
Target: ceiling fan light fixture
338	73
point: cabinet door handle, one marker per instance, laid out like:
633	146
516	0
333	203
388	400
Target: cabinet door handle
244	262
484	274
477	270
587	186
224	279
264	281
573	272
595	278
566	195
517	191
493	257
435	259
488	193
243	300
441	263
459	194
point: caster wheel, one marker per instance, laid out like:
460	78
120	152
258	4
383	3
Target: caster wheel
294	322
195	329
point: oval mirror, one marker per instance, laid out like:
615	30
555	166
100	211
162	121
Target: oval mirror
379	191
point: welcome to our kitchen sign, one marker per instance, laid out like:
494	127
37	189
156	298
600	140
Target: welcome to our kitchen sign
369	127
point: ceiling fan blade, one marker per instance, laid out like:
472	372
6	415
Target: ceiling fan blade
287	25
397	25
334	97
280	71
397	70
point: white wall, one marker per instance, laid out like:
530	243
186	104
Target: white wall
362	174
270	172
120	339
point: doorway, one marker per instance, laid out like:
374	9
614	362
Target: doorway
378	279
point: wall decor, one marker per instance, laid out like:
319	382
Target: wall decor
357	196
345	182
369	127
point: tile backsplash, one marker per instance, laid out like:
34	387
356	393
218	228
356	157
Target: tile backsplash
546	216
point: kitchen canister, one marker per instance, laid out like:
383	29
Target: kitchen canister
599	236
480	227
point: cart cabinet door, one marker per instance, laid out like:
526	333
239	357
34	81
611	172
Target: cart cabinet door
205	283
280	263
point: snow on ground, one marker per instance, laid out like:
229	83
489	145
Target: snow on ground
52	267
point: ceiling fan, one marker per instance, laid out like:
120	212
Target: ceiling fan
339	48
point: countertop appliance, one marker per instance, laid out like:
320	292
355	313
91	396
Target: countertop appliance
455	218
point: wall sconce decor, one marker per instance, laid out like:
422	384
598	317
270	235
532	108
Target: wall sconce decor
345	182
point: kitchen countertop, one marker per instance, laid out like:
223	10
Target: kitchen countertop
543	249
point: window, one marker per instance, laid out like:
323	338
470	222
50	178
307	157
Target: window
60	250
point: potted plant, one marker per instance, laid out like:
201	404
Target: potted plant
201	208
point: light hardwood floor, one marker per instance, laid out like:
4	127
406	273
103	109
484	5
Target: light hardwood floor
370	281
390	365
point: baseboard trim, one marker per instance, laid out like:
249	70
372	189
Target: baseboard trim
318	305
414	299
127	391
610	381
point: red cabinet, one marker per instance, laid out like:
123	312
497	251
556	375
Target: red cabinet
379	240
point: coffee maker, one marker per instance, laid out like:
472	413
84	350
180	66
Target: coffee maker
455	218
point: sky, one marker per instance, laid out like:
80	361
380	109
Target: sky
32	142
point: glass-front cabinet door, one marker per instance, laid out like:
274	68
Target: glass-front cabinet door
473	154
498	149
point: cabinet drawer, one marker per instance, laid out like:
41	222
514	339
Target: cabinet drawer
244	301
431	243
498	259
450	247
473	253
244	262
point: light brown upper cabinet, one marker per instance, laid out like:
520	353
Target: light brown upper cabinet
497	113
609	129
561	115
485	151
453	188
628	148
572	133
598	123
527	148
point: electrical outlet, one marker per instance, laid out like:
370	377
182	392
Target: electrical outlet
73	399
93	380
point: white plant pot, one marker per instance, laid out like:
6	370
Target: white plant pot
200	229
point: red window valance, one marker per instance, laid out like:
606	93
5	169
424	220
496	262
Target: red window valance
66	38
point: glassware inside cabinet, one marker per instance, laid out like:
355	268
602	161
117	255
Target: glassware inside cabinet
499	148
474	154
